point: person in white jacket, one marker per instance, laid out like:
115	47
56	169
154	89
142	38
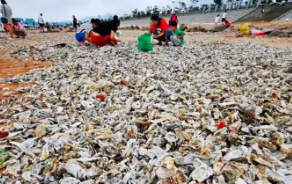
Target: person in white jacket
224	17
217	19
41	23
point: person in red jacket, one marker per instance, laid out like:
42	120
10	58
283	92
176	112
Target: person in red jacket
160	30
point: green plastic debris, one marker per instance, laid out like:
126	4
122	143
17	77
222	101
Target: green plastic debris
2	159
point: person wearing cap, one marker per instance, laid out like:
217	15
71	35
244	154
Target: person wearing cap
84	31
18	29
160	30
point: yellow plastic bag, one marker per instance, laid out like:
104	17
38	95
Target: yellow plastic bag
244	29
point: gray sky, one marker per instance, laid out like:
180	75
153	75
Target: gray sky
62	10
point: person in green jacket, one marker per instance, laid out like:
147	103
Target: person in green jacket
177	39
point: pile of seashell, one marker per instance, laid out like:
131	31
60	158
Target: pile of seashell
210	113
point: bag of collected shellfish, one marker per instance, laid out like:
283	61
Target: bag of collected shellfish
144	43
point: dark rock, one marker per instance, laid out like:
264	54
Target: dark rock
288	31
183	27
197	29
219	28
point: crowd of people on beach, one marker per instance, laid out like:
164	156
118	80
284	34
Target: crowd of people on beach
98	32
16	29
101	33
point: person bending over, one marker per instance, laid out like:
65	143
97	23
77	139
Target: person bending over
160	30
177	39
84	31
105	33
18	29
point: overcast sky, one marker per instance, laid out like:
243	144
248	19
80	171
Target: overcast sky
62	10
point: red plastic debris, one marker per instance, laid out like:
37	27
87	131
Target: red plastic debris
101	97
275	96
222	124
200	109
260	34
3	134
124	83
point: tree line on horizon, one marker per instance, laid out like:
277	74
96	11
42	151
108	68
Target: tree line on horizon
178	7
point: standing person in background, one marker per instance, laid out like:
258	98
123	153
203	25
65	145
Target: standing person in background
224	16
116	21
173	18
18	29
41	23
263	10
217	19
74	23
6	18
47	26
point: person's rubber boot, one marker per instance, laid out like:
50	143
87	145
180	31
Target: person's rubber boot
82	44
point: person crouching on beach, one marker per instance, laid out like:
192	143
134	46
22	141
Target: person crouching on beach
84	31
160	30
177	38
18	29
105	33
